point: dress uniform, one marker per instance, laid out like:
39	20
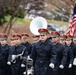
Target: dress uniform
74	55
35	39
61	54
68	66
12	47
19	51
43	54
4	51
25	42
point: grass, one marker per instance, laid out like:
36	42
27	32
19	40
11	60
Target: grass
27	21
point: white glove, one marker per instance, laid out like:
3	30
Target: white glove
51	65
61	66
24	73
22	65
9	63
74	62
13	57
28	58
70	65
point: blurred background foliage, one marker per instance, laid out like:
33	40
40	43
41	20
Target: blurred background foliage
50	9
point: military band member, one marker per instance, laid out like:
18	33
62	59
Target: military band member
68	66
43	54
12	47
74	55
61	54
4	50
25	42
18	52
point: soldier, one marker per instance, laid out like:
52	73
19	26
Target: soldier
25	42
19	51
12	47
68	66
4	50
74	55
35	40
61	54
43	54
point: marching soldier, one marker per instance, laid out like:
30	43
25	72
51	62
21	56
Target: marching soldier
18	52
12	48
68	66
25	38
4	51
35	40
74	55
43	54
61	54
25	42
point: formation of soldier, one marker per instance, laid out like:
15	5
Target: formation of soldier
52	53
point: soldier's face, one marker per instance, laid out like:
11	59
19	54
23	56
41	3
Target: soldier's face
62	41
17	41
43	37
68	42
35	40
12	42
24	39
55	39
74	41
3	42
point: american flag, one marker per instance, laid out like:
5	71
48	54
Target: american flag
72	23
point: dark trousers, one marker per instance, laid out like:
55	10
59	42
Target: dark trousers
15	68
68	71
2	71
74	70
57	71
22	70
61	72
7	70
